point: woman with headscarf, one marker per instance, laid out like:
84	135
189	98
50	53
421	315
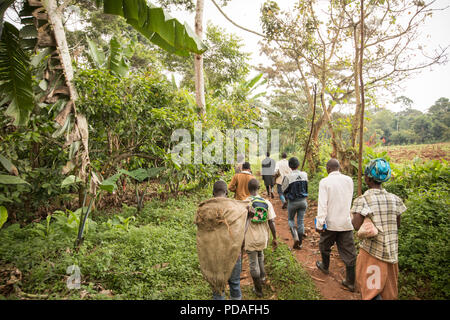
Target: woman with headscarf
377	262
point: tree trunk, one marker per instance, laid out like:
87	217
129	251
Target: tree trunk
361	127
198	61
356	116
313	151
80	129
54	17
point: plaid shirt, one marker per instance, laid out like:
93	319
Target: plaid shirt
383	208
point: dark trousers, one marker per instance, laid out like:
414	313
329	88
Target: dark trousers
344	242
268	182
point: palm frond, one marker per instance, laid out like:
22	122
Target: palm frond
15	76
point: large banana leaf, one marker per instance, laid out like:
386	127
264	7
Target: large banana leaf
95	54
15	76
118	60
157	25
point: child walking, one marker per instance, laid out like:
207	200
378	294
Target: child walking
257	235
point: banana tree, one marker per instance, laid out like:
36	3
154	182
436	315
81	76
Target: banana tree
156	25
117	60
43	29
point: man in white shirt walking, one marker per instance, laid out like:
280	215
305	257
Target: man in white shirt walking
334	223
281	170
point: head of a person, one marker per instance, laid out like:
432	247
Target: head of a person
240	158
294	163
220	189
253	186
246	166
268	153
284	155
333	165
377	172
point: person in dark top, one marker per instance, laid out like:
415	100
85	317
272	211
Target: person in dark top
267	172
295	188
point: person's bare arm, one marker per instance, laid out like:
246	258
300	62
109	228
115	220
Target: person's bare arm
274	233
357	220
399	218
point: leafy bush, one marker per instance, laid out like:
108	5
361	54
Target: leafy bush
424	249
155	259
418	175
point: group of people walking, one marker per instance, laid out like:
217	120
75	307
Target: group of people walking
374	271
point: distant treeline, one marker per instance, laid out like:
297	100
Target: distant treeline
410	126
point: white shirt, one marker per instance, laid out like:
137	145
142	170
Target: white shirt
335	200
283	167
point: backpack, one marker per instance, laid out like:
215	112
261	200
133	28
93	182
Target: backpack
261	209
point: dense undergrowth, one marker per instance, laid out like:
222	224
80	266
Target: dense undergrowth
126	255
154	259
424	248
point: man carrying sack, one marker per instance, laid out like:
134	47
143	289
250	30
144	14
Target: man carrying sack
220	234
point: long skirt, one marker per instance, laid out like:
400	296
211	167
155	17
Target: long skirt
374	276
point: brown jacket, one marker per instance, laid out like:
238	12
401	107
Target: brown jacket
239	185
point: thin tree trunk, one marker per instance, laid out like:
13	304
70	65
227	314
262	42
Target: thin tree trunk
356	117
361	127
198	61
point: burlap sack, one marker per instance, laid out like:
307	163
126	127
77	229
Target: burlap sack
220	233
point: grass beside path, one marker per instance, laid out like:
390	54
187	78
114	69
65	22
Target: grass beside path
288	276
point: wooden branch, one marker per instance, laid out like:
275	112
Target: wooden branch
312	127
234	23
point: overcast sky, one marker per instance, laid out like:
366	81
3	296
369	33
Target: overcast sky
424	89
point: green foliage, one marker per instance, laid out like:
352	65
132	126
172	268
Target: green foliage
117	60
423	236
7	164
419	175
155	259
411	126
424	248
3	216
66	224
157	25
286	273
224	63
119	222
7	179
15	76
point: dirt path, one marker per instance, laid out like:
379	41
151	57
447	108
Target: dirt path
329	285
